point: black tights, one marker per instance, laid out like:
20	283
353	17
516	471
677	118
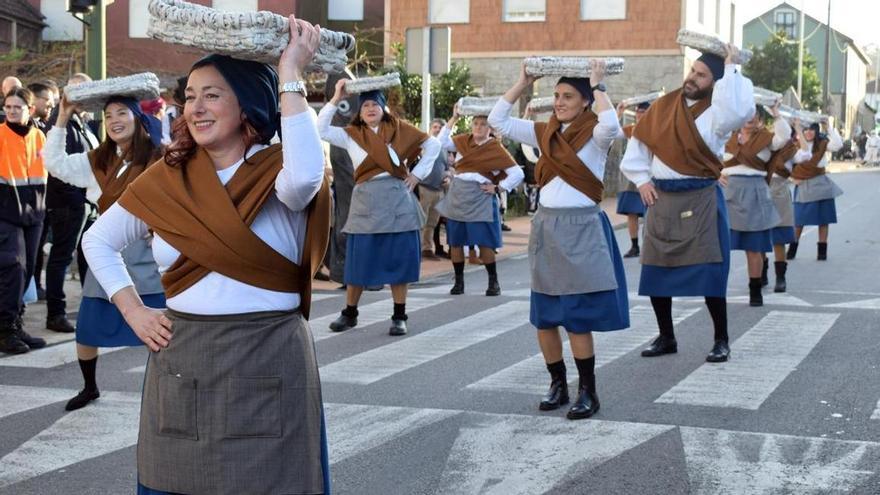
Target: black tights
717	309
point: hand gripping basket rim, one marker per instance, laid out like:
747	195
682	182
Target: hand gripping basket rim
92	95
259	36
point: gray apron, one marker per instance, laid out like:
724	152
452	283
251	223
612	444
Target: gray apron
681	229
466	202
233	406
568	252
750	207
816	189
781	195
141	266
383	205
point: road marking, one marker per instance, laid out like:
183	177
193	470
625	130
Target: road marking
320	296
15	399
370	314
530	375
353	429
374	365
863	304
511	455
107	425
50	357
758	364
720	461
773	299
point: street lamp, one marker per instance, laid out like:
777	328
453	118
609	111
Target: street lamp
81	6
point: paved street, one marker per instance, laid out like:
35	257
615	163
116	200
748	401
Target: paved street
452	408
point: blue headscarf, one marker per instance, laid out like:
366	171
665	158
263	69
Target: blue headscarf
151	124
715	64
255	85
374	95
581	84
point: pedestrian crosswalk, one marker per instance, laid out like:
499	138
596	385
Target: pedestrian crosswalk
510	453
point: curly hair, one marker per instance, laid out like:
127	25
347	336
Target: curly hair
183	147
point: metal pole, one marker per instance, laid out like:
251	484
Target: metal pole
800	76
96	42
825	89
426	79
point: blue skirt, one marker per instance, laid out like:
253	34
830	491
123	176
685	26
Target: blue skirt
325	467
705	279
100	324
379	259
756	242
601	311
822	212
485	234
782	235
630	203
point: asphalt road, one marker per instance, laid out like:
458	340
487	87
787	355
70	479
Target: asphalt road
452	407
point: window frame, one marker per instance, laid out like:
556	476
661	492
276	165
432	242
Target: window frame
504	15
583	10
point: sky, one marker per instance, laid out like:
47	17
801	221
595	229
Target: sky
859	19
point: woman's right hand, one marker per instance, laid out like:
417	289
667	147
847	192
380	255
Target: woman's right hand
340	93
65	111
524	78
151	326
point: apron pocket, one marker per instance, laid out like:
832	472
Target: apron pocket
253	407
177	407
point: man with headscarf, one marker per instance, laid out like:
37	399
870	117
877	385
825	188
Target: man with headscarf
676	148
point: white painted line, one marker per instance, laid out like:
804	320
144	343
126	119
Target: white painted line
863	304
526	455
16	399
720	461
876	414
374	365
431	291
107	425
773	299
530	375
354	429
320	296
370	314
760	360
50	357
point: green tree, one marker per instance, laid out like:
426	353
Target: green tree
774	66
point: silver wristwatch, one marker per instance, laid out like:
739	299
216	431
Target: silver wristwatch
293	87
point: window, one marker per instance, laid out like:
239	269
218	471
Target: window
449	11
524	10
786	22
345	10
138	18
236	5
597	10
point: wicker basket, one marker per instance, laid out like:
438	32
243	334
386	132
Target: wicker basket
645	98
364	84
476	105
92	95
259	36
710	44
543	104
568	66
766	97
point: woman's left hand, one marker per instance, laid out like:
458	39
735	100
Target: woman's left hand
489	188
304	39
411	181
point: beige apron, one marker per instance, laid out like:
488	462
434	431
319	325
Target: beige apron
681	229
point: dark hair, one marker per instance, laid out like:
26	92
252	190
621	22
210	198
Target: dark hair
38	88
140	152
25	94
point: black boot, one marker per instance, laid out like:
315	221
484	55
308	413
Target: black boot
458	286
634	250
31	341
557	395
755	296
822	253
764	281
720	352
493	289
10	342
780	267
59	323
792	251
398	320
346	321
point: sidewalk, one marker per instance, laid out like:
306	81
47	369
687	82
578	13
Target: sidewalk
516	242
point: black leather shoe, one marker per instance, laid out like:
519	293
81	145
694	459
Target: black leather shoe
59	323
493	289
661	345
764	280
720	352
557	396
586	405
344	323
458	287
82	399
632	253
41	294
756	298
12	344
398	328
29	340
792	251
505	227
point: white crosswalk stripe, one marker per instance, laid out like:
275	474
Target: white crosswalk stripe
50	357
756	367
374	365
530	375
370	314
15	399
863	304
